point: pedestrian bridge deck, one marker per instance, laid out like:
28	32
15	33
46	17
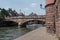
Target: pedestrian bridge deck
38	34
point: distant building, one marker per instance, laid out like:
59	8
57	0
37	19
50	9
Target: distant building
33	14
21	14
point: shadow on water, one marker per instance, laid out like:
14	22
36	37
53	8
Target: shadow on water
10	33
4	23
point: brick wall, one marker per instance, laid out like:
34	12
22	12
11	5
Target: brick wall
50	10
58	20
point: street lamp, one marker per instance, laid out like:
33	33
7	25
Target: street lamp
41	6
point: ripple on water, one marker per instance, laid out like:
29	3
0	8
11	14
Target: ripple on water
7	33
10	33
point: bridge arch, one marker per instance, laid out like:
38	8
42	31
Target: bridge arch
32	22
9	23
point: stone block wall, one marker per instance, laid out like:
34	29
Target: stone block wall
50	10
58	20
53	17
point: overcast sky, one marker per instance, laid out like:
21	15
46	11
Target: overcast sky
25	5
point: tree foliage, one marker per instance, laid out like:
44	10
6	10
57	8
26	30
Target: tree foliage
12	12
4	12
9	12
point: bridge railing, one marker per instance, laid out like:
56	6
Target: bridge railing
27	17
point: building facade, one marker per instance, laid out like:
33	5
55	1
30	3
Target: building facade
53	16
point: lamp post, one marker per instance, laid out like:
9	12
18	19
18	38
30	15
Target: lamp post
41	6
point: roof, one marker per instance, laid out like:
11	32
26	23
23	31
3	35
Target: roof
49	1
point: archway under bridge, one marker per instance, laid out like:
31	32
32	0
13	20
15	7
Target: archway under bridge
31	22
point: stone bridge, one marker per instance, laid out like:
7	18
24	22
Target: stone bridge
24	19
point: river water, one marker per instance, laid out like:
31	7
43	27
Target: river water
10	33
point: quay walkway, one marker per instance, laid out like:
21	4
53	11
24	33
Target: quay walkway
38	34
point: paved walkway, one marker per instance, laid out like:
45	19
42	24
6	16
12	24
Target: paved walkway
38	34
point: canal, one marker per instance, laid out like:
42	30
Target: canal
10	33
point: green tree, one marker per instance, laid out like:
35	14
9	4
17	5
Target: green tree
12	12
0	12
4	13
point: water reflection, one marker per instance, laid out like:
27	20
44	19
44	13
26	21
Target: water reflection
34	26
10	33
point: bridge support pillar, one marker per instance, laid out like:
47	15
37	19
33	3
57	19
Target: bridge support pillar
19	24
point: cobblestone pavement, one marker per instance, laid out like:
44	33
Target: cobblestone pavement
38	34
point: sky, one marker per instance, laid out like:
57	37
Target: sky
26	6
